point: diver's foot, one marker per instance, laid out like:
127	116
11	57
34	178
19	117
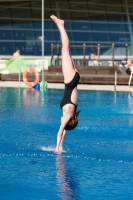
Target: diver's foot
59	22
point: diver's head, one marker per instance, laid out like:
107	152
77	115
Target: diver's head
73	121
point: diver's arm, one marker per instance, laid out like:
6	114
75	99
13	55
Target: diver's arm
62	139
60	133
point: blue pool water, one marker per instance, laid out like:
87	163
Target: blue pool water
97	162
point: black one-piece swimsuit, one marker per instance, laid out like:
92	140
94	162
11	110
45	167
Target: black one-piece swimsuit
68	90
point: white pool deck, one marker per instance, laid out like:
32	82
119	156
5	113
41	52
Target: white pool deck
80	86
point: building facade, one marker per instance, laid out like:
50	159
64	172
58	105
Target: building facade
103	22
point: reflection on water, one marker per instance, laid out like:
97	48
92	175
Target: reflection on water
66	178
30	94
34	96
130	101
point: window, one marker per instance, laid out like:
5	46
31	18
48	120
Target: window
89	22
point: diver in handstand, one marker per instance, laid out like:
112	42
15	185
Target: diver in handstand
69	102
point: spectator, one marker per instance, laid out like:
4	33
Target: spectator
16	54
92	60
127	65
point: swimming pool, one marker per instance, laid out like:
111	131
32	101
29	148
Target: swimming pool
97	162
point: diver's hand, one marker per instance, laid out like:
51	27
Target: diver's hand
57	151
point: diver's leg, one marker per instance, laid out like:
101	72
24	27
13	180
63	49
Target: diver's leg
67	63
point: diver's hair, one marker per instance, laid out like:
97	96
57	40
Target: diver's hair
72	123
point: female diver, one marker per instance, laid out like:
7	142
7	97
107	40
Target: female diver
71	78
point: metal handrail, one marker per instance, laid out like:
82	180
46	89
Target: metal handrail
84	46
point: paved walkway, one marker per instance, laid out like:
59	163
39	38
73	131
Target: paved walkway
80	86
